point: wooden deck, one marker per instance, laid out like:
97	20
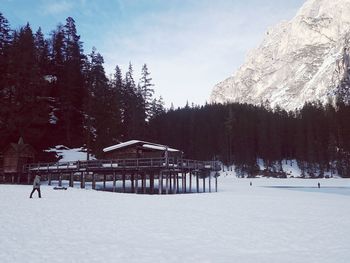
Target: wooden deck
145	175
124	165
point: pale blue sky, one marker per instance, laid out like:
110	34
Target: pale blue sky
189	45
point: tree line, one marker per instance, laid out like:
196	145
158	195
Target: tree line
316	136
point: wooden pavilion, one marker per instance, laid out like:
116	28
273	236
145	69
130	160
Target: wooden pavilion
134	167
140	149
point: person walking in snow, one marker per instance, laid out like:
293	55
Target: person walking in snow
36	186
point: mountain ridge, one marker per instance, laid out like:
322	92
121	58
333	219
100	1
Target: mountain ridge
298	61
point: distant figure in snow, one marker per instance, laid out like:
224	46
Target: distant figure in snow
318	185
36	186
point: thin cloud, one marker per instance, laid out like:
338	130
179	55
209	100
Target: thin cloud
56	7
189	51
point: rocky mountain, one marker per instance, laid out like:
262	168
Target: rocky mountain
300	60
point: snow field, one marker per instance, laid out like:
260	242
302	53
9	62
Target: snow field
240	223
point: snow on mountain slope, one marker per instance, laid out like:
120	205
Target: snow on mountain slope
298	61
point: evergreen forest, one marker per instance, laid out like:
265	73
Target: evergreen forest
52	93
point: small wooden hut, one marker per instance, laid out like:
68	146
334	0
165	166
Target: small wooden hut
16	155
140	149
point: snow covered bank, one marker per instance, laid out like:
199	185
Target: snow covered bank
241	223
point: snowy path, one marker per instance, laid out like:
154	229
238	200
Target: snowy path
238	224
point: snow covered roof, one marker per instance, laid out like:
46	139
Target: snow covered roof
148	145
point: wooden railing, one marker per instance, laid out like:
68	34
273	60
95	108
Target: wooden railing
120	164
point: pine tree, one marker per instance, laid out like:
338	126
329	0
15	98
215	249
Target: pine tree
133	112
42	53
28	108
5	34
157	107
5	41
146	90
104	113
73	92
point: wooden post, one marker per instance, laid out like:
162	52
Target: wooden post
104	181
114	182
60	180
160	183
144	183
216	183
49	179
204	183
123	178
190	182
185	180
132	182
209	182
197	181
93	181
170	183
82	180
182	183
177	183
151	179
137	184
167	183
71	180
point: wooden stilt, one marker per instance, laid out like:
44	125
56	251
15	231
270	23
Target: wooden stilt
123	178
170	183
204	183
190	182
209	182
167	183
151	179
185	180
216	183
177	183
197	181
82	180
104	182
160	183
137	184
114	182
71	180
49	179
144	182
60	180
93	184
132	178
182	183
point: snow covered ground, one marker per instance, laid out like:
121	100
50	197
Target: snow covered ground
240	223
67	155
